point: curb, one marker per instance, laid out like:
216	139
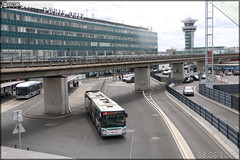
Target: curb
178	138
209	130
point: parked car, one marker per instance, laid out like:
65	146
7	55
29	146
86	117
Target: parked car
187	80
188	91
203	76
236	73
166	72
195	77
130	79
126	76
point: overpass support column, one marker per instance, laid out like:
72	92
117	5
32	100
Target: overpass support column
200	66
56	95
177	71
142	79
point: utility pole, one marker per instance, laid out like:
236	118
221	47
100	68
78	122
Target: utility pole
209	45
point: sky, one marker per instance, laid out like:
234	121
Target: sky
164	17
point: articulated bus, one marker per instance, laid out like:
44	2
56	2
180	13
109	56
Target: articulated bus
107	115
28	89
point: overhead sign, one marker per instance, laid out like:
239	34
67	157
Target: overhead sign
18	128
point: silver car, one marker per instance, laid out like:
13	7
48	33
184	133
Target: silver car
188	91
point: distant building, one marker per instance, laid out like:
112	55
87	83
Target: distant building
189	30
44	33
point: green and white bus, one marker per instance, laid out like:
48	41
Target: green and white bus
107	115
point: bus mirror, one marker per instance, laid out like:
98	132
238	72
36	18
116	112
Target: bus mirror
126	115
100	118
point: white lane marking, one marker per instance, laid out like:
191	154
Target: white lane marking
8	102
177	136
221	118
131	150
81	147
219	104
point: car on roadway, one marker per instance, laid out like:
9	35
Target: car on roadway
126	76
167	72
236	73
188	90
188	80
195	77
130	79
203	76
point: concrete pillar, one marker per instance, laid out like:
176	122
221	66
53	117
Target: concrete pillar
177	71
55	95
142	79
200	66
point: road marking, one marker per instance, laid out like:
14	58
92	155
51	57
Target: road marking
81	147
155	138
219	104
177	136
131	149
8	102
14	103
221	118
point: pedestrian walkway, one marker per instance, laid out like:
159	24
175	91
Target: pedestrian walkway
13	153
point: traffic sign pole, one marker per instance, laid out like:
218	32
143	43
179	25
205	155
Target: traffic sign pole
19	135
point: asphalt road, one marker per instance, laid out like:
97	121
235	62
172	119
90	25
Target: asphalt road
231	118
76	136
201	144
147	134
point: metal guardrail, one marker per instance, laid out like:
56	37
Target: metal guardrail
221	96
224	128
216	95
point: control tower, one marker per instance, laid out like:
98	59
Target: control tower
189	30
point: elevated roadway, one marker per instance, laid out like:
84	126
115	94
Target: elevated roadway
31	68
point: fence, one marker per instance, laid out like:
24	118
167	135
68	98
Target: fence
220	96
223	127
229	88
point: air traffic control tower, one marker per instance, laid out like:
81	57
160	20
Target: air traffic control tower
189	30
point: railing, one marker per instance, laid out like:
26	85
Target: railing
44	61
220	96
53	61
222	127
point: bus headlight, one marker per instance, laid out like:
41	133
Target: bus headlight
104	131
124	130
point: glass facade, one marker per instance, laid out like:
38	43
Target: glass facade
25	33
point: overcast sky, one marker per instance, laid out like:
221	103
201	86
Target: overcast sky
163	16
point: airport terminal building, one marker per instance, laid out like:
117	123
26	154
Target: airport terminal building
44	33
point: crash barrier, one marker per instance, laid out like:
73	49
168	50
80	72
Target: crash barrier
229	88
220	96
223	127
161	79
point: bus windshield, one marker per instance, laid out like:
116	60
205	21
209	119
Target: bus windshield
113	119
22	91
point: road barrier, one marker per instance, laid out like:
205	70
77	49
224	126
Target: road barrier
221	96
222	127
